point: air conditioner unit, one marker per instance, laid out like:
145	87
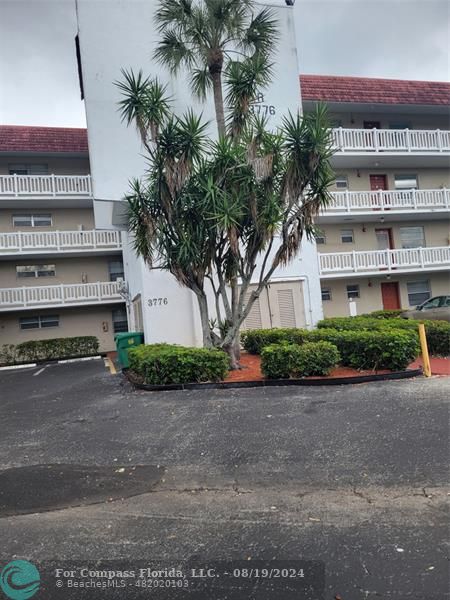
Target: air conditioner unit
84	277
80	227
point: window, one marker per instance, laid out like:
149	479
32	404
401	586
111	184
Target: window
39	322
119	319
341	182
326	294
320	237
406	182
400	125
35	271
412	237
115	270
352	291
28	169
418	292
347	236
35	220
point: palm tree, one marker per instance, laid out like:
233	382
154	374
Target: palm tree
204	36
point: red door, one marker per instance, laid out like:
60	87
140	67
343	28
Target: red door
378	182
390	295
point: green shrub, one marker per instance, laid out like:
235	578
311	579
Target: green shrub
438	332
372	349
8	354
280	361
362	348
161	364
85	345
384	314
254	340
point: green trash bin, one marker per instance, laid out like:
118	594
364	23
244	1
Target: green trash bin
125	341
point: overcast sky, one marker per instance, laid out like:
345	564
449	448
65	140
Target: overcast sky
406	39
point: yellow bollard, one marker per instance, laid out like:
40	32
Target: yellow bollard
424	347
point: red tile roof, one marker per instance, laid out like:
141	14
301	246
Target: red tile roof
330	88
15	138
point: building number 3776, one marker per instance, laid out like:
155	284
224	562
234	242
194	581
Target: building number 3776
157	301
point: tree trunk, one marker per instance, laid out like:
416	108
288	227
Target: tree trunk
204	317
216	75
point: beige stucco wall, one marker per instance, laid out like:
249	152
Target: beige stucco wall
359	180
62	219
436	234
370	291
68	270
72	322
56	165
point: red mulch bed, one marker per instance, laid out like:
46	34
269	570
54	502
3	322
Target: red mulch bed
251	369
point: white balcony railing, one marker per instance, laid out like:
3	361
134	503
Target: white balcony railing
45	186
21	242
391	140
373	261
60	295
389	200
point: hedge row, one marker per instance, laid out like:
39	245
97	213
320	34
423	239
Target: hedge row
281	361
438	332
385	314
378	349
161	364
86	345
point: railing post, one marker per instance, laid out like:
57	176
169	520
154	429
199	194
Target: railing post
388	260
376	141
24	296
99	292
340	139
15	190
421	258
52	184
414	198
446	193
408	139
380	199
61	290
439	139
354	265
347	200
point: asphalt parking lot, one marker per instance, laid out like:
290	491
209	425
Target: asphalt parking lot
354	476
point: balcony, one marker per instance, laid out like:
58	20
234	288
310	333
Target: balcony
32	190
31	243
382	262
403	147
63	295
387	202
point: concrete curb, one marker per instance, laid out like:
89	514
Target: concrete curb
409	373
50	362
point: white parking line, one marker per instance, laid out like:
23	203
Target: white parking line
39	372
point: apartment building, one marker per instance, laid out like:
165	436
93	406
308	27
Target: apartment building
384	240
59	276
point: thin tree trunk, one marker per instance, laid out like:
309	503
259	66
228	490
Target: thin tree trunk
216	75
204	317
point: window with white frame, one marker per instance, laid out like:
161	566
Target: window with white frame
39	322
341	182
32	220
35	271
347	236
326	294
120	320
28	169
412	237
115	270
352	291
406	182
418	291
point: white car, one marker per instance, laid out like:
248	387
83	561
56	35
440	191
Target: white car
437	308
